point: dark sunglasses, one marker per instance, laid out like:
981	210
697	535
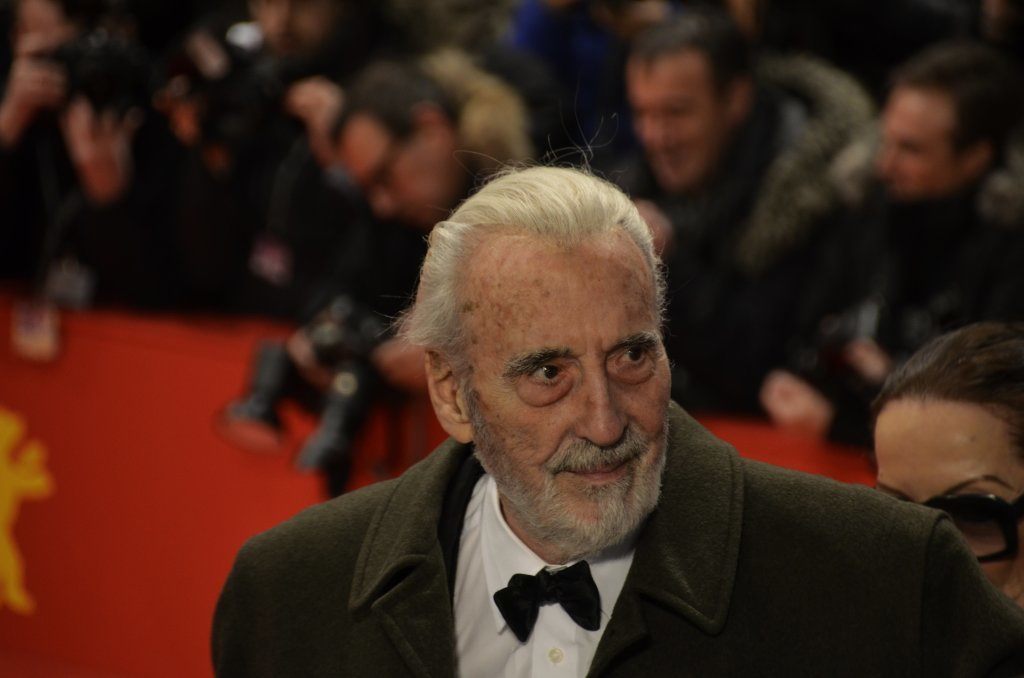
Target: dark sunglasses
988	523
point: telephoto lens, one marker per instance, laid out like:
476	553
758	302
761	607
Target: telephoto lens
348	402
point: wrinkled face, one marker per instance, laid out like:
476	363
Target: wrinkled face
929	448
917	159
416	181
570	388
683	121
295	27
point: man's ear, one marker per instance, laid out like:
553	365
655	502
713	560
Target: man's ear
974	160
448	397
739	99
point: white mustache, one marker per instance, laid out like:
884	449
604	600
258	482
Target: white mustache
583	456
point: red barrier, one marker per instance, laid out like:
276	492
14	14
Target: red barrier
759	440
136	510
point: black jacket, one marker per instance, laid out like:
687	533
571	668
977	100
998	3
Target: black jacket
743	569
745	245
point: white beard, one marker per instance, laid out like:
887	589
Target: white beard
550	514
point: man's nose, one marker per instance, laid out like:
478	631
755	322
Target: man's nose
653	132
272	10
277	17
602	420
383	203
289	14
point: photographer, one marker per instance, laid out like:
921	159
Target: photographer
260	222
932	239
412	140
75	136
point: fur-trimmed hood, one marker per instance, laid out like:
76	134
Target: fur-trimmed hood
797	191
466	24
493	123
1000	198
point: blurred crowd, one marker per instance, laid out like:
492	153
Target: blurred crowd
830	185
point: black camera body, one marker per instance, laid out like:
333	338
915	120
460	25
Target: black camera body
343	336
241	104
823	360
112	72
344	331
238	87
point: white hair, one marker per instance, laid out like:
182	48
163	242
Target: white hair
567	206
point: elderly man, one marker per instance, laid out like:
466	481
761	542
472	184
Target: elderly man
578	523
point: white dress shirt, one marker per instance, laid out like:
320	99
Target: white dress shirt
489	554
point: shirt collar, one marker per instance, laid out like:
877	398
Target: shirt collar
504	555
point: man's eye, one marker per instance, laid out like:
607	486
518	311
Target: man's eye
547	373
633	365
545	384
635	354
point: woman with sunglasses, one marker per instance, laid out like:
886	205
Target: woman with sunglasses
949	433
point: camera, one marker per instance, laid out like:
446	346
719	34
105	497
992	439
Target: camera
239	105
823	359
112	72
239	88
341	337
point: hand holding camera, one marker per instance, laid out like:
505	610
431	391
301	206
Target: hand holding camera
35	84
100	146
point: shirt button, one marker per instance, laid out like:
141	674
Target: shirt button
556	655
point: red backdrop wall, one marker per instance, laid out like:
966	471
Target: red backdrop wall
126	557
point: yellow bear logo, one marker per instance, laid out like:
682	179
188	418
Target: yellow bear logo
22	476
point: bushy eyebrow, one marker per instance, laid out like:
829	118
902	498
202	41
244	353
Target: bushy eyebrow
527	363
648	341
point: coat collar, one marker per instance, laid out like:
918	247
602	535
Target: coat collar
404	528
688	551
400	575
685	560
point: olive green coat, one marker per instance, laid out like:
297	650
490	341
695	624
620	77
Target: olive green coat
743	570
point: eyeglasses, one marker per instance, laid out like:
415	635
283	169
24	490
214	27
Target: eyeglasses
987	522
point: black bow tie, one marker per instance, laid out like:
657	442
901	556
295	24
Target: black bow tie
573	588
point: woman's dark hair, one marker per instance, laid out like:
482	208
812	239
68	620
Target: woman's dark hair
981	364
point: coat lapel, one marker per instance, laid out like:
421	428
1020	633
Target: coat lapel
685	559
400	575
687	553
